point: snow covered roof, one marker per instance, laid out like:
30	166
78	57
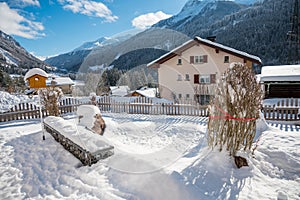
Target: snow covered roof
206	42
148	92
280	73
62	81
281	70
228	49
35	71
119	90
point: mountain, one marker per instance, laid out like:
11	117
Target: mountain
156	38
72	61
14	58
104	41
256	27
204	11
69	62
259	28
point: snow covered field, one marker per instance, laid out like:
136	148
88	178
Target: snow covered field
156	157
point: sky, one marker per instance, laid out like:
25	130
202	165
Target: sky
47	28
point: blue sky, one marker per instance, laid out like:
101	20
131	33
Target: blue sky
51	27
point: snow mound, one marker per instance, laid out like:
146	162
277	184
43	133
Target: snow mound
86	114
34	71
7	101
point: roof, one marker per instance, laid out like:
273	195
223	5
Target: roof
206	42
119	90
287	73
281	70
147	92
62	81
35	71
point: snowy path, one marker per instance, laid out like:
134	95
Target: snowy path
157	157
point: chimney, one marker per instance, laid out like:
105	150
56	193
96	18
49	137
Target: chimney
212	38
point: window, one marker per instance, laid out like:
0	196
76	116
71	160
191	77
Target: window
187	77
196	78
226	59
179	78
204	79
198	59
201	59
187	96
179	62
204	99
179	96
217	50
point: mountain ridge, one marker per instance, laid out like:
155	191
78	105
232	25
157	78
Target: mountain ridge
16	59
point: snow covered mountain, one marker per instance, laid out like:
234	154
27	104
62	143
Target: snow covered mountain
13	57
72	61
103	41
205	12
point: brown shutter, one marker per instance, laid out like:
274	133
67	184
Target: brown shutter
196	78
192	59
205	58
213	78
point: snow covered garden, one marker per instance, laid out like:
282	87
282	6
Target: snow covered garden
156	157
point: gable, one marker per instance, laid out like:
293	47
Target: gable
199	41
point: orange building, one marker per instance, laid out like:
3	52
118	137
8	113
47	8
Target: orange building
36	78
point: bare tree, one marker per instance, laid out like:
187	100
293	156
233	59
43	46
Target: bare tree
234	110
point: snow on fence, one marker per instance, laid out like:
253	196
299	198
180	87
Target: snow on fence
283	110
31	111
143	105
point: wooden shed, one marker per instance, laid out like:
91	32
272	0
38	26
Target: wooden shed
281	81
36	78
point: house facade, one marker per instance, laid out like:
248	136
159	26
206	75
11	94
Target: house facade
190	71
64	83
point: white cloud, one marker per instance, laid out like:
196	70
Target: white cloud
31	2
89	8
147	20
23	3
13	23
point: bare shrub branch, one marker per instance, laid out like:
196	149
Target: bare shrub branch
234	110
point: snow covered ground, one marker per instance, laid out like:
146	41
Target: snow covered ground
156	157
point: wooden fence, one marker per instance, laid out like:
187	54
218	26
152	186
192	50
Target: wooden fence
147	106
31	111
284	110
287	110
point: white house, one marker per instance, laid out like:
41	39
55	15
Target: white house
190	71
65	83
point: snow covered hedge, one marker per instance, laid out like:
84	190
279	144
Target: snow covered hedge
234	110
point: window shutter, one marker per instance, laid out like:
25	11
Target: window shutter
213	78
192	59
196	78
205	58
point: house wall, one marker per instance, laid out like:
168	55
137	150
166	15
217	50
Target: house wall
37	81
169	85
66	89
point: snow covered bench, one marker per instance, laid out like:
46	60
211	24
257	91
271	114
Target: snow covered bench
85	145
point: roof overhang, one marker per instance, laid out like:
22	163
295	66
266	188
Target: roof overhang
196	41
